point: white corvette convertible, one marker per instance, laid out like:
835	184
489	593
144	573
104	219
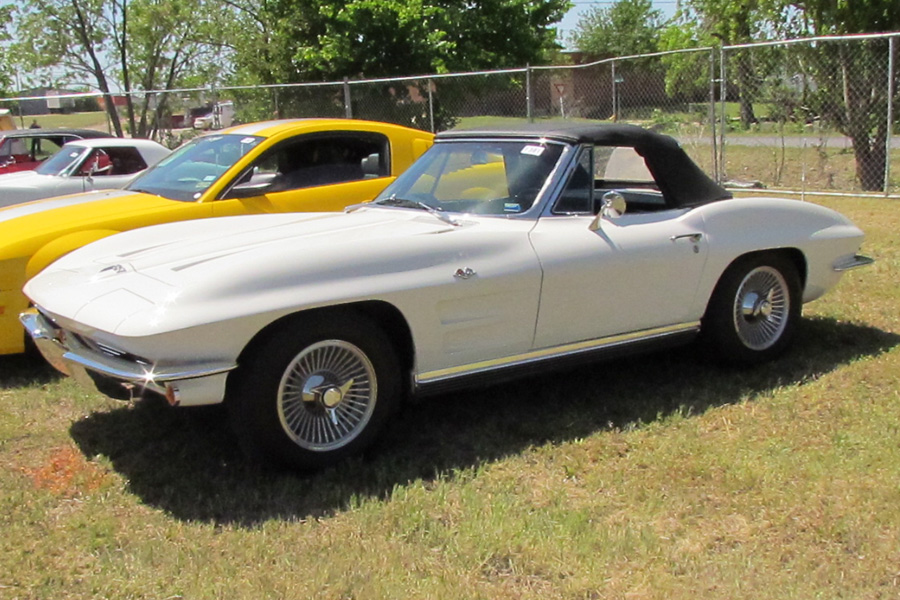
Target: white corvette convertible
496	253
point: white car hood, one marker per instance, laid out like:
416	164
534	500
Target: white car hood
166	271
23	186
16	177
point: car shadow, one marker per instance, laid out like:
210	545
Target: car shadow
186	461
21	370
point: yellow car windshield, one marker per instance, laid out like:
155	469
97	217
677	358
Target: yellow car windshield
187	172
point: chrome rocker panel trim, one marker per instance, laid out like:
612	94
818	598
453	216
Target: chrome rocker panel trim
492	371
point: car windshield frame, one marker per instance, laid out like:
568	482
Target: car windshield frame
193	168
505	177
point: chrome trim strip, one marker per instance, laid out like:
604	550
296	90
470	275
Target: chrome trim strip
145	377
51	341
854	262
555	352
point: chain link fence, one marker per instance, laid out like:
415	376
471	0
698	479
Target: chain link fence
804	115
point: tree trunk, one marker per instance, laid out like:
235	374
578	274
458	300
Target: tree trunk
871	155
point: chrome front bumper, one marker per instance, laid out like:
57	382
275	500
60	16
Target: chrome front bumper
123	378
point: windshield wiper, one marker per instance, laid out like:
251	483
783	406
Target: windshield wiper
393	200
140	190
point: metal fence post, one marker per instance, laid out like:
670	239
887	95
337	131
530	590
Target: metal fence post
431	104
529	97
723	124
712	113
348	107
615	93
892	50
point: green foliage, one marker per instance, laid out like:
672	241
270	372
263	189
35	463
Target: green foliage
851	92
625	28
5	67
127	45
715	22
72	37
306	40
687	74
824	17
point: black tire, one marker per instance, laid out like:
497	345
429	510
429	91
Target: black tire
314	392
754	311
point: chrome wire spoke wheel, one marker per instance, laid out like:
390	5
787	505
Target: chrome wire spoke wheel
327	395
761	308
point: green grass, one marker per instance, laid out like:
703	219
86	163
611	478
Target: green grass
85	120
654	477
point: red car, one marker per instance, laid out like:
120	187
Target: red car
25	149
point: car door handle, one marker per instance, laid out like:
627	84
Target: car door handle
694	237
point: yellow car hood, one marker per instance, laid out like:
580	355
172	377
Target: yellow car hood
27	226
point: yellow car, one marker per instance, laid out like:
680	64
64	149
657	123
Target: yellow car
275	166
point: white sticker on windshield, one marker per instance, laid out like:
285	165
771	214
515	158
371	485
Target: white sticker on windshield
533	150
248	140
209	178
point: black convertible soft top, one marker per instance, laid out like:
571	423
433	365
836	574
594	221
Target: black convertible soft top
681	181
48	133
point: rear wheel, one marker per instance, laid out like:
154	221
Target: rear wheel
315	392
754	310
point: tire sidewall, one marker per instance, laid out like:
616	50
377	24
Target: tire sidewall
718	329
253	404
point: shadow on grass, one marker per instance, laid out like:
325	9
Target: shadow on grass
186	461
25	369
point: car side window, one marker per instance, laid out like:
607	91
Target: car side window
577	196
125	161
324	160
97	164
623	170
41	148
112	161
620	166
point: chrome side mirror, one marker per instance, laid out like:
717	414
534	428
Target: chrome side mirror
613	207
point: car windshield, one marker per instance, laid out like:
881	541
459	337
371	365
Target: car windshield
62	162
484	177
187	172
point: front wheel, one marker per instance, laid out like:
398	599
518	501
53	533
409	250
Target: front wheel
754	310
315	392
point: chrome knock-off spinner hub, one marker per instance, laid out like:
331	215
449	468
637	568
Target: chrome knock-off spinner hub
756	306
761	308
327	395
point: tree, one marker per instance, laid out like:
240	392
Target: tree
726	22
108	41
851	80
626	28
5	80
309	40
